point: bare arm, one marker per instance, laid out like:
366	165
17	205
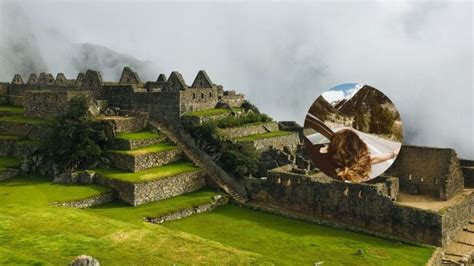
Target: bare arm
380	158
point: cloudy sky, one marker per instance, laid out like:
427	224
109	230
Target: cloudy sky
281	55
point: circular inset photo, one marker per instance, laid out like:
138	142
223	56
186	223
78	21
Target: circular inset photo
353	132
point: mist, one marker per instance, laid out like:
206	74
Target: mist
282	56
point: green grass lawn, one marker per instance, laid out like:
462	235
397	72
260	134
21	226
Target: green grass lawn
34	233
23	119
159	147
12	109
124	212
208	112
142	135
155	173
264	135
292	242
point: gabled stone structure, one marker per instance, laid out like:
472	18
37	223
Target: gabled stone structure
60	79
129	76
17	79
33	79
202	80
175	82
161	78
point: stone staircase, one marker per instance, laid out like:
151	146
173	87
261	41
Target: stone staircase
204	161
460	251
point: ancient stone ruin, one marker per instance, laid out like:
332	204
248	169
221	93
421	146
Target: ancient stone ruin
427	195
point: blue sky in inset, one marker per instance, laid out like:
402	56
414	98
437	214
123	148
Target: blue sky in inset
340	92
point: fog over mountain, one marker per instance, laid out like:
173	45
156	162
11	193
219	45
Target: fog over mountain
281	55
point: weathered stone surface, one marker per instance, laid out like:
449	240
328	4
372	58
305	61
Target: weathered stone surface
8	173
217	201
31	131
47	104
249	129
144	161
428	171
370	206
85	260
123	144
292	140
140	193
87	203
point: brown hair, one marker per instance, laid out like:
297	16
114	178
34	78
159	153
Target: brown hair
351	155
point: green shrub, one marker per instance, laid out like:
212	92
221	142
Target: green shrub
246	105
238	159
76	140
235	121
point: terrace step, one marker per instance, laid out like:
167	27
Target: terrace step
145	157
8	167
248	129
15	146
8	110
152	184
214	172
276	139
125	123
22	126
460	251
130	141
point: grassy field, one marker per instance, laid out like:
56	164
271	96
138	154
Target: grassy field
208	112
155	173
292	242
264	135
23	119
124	212
34	233
12	109
142	135
159	147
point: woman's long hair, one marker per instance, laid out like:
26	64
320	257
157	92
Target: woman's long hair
351	155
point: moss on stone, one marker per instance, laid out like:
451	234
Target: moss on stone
159	147
208	112
23	119
12	109
264	135
142	135
9	162
171	169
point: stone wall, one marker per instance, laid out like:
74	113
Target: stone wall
31	131
140	193
8	173
454	218
428	171
367	206
89	202
249	129
195	99
145	161
232	99
467	167
207	207
47	104
292	140
123	144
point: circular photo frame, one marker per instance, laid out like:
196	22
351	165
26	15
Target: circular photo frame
353	132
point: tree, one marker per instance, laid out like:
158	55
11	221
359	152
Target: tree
76	140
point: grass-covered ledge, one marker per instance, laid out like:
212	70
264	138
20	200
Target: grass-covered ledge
171	169
141	135
159	147
263	136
